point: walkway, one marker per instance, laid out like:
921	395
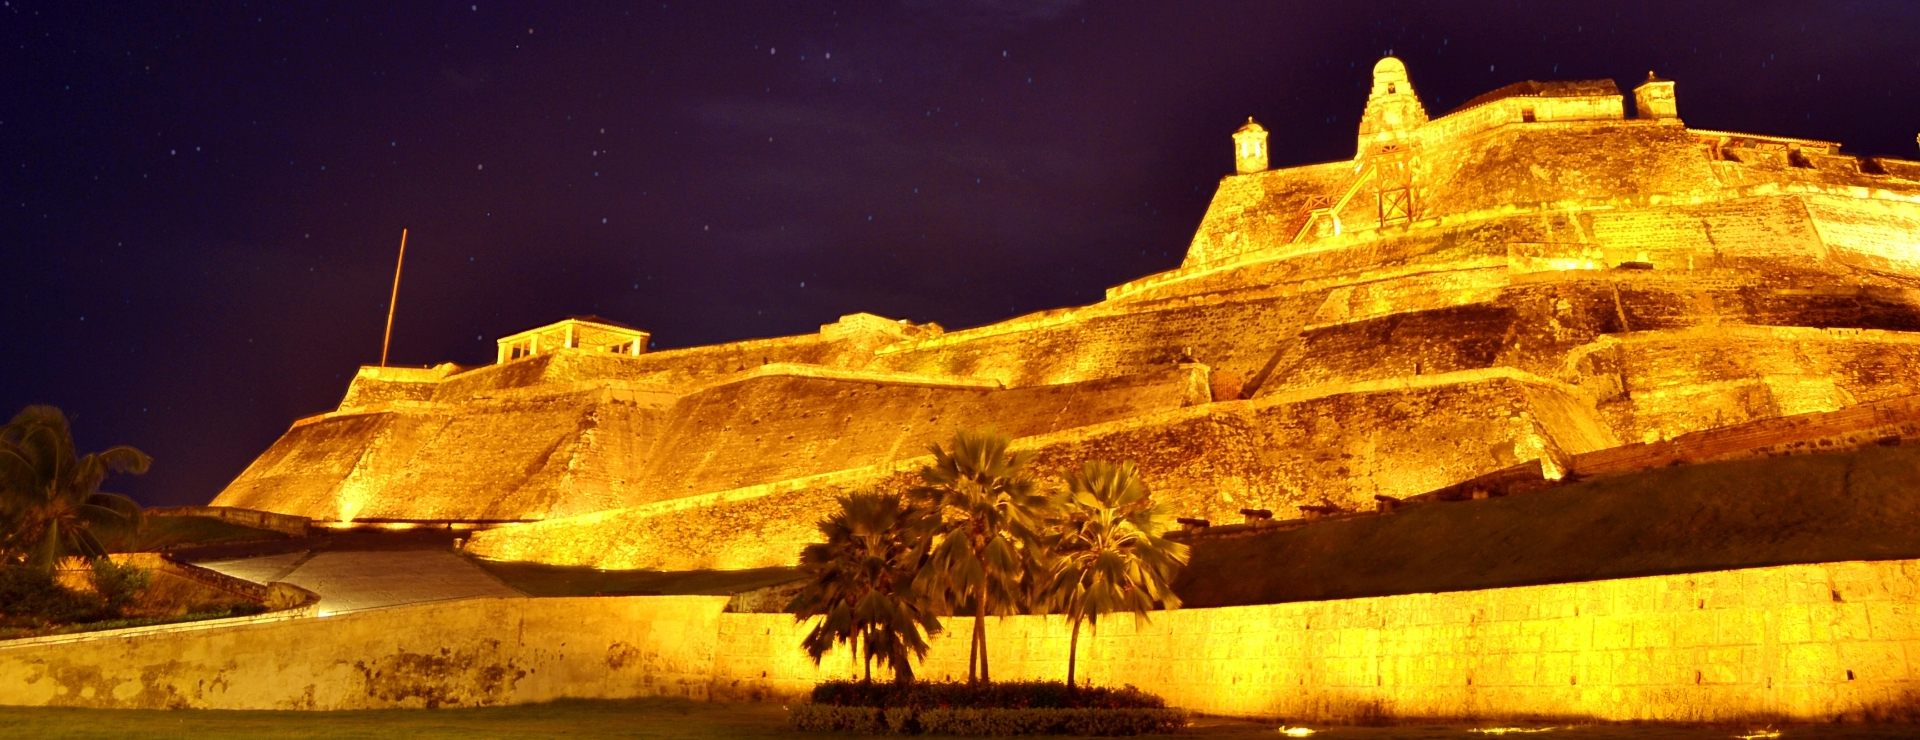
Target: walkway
365	579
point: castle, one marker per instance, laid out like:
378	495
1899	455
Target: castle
1532	282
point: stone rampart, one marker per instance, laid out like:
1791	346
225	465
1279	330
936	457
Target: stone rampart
463	653
1339	445
1892	420
1800	642
563	449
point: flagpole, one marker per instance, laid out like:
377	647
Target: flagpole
395	299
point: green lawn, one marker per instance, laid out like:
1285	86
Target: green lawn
675	718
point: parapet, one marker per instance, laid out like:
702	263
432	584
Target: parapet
874	326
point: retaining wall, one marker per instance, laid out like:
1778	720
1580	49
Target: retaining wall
1804	642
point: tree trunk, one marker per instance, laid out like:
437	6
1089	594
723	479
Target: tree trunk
980	635
1073	651
973	659
903	670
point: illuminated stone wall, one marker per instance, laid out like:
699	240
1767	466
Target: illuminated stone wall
1562	284
476	652
556	449
1801	642
1397	438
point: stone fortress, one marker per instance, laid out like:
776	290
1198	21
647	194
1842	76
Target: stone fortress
1536	284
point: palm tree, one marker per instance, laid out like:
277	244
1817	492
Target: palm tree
1106	554
50	497
861	584
979	556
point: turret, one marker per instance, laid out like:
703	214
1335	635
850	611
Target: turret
1393	110
1653	99
1250	148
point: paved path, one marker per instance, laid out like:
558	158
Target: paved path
352	580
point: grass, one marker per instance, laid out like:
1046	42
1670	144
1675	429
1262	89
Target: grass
536	579
14	633
158	533
646	718
680	718
1863	505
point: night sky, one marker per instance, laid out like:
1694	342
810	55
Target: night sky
202	206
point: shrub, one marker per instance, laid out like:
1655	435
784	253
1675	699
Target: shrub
1002	695
119	584
901	720
29	597
1014	708
1083	721
828	718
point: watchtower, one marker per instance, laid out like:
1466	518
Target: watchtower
1654	99
1393	110
1250	148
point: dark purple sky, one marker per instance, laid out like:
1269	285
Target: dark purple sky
201	206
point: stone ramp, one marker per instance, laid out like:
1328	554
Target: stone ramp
366	579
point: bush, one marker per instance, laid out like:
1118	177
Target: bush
119	584
901	720
827	718
30	598
1005	695
1017	708
1083	721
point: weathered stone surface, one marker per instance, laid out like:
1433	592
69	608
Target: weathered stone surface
1798	642
1533	276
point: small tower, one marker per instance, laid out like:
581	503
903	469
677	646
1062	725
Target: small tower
1653	99
1393	110
1250	148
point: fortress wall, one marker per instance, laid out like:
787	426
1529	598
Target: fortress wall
490	379
1402	344
490	460
1856	426
1688	381
1262	209
665	370
1683	236
1810	303
1565	162
756	527
477	652
495	460
1882	235
1398	438
535	454
377	385
1799	642
509	458
680	368
1510	110
1231	336
778	428
299	473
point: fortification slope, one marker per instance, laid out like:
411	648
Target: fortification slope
1717	516
559	449
1534	276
